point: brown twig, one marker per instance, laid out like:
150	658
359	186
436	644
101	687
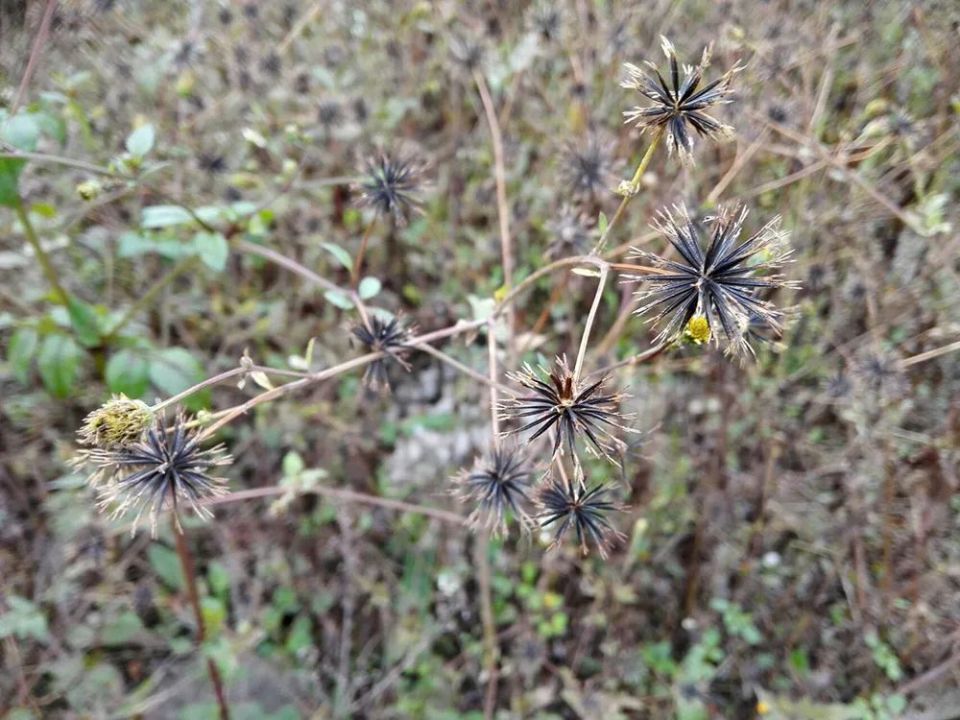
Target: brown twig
190	577
35	51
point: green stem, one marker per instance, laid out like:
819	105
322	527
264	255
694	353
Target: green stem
48	270
150	295
631	189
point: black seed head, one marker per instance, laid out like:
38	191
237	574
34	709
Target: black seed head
569	409
167	469
497	485
391	184
879	375
722	282
388	336
589	169
569	235
678	107
570	505
329	113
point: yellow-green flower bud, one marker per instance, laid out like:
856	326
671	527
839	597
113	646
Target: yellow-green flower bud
118	422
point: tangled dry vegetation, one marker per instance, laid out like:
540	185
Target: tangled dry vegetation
480	360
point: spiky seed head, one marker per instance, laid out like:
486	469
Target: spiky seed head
678	108
721	282
390	185
589	169
879	375
569	234
497	487
388	336
569	408
167	469
119	421
564	506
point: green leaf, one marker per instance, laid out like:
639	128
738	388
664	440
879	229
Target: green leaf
128	372
214	613
368	288
339	254
9	172
22	131
167	565
173	370
161	216
58	362
140	141
339	299
24	620
23	345
120	630
212	249
602	224
218	577
301	634
133	244
84	320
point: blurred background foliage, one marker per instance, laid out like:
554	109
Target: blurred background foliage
792	527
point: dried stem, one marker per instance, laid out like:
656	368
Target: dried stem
500	178
585	339
482	548
344	495
358	263
190	577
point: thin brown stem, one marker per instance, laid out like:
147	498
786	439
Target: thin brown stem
482	548
343	367
35	51
460	367
358	263
345	495
500	178
283	261
190	578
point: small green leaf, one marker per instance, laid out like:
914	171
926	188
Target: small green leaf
166	564
121	630
218	577
9	172
173	370
23	345
160	216
308	355
212	249
24	620
58	362
214	613
339	254
140	141
292	464
339	299
128	372
368	288
22	131
84	320
602	224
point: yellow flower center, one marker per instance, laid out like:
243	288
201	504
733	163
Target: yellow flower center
698	329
